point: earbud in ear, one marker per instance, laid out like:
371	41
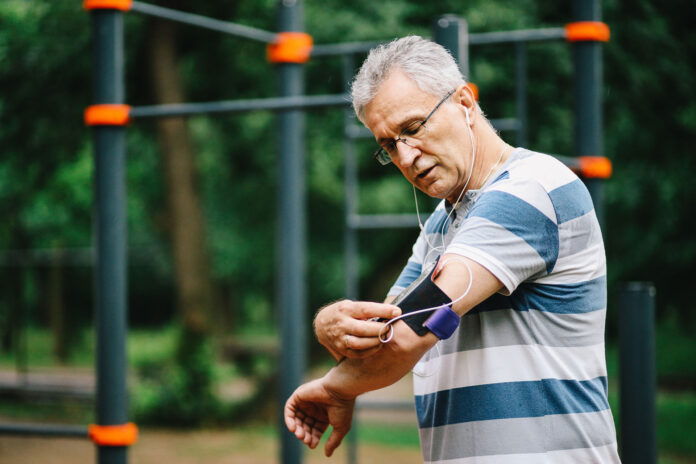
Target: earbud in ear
466	112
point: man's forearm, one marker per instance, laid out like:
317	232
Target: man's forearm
353	377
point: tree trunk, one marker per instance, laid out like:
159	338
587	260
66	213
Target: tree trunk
191	263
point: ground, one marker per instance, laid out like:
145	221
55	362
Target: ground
250	444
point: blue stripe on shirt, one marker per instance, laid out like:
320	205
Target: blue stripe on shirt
436	223
509	400
571	201
523	220
577	298
410	273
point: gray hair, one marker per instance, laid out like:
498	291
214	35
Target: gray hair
427	63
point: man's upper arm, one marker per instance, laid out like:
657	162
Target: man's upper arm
459	273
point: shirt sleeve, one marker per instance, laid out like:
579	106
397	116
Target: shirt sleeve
413	268
511	230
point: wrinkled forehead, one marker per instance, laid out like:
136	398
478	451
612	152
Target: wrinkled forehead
398	99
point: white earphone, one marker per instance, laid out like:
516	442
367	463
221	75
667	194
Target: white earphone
466	112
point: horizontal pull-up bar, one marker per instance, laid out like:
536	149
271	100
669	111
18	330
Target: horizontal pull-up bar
59	431
238	106
204	22
523	35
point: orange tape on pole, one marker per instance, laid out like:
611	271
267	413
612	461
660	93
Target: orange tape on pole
595	167
474	89
587	31
123	5
107	115
113	435
290	47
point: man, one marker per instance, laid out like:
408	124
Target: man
523	378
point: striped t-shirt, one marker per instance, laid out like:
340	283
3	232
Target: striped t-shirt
523	379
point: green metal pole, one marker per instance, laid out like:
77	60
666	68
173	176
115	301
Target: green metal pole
637	373
587	60
291	237
452	33
110	232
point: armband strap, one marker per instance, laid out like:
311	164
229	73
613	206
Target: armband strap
422	293
443	322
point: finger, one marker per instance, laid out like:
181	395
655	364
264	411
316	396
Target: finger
299	429
361	343
317	432
289	414
334	440
361	328
368	310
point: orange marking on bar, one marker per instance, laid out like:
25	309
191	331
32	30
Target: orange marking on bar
113	435
290	47
107	115
595	167
123	5
474	89
587	31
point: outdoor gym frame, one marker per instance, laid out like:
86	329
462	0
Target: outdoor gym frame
288	50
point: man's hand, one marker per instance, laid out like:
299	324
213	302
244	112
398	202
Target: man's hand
312	408
345	330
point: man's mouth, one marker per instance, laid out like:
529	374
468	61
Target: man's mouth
425	172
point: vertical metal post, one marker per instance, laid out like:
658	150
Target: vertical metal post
637	373
521	92
110	232
452	32
291	237
587	61
351	235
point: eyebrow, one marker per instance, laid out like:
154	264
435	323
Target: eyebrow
405	122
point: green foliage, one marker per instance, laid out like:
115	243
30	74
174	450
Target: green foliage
176	390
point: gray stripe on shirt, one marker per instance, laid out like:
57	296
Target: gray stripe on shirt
505	327
517	436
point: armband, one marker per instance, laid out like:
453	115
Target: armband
421	294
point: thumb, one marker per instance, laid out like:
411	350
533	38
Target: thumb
334	441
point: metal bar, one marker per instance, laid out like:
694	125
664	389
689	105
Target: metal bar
506	124
351	186
237	106
226	27
110	232
521	92
523	35
384	221
485	38
353	131
587	61
36	430
347	48
351	237
637	372
291	236
451	32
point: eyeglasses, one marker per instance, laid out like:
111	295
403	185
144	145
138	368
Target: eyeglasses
415	130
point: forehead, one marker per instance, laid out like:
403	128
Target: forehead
398	100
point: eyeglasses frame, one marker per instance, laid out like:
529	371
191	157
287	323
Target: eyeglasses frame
382	156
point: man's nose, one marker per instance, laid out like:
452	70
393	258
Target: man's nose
407	153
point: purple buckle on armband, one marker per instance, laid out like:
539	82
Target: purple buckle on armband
443	322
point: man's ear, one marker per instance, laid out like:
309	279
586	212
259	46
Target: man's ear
464	97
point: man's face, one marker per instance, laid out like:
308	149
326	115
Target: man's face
437	163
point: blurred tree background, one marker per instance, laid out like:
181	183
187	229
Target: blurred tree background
201	191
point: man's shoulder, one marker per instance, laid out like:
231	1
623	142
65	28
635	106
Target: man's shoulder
530	166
